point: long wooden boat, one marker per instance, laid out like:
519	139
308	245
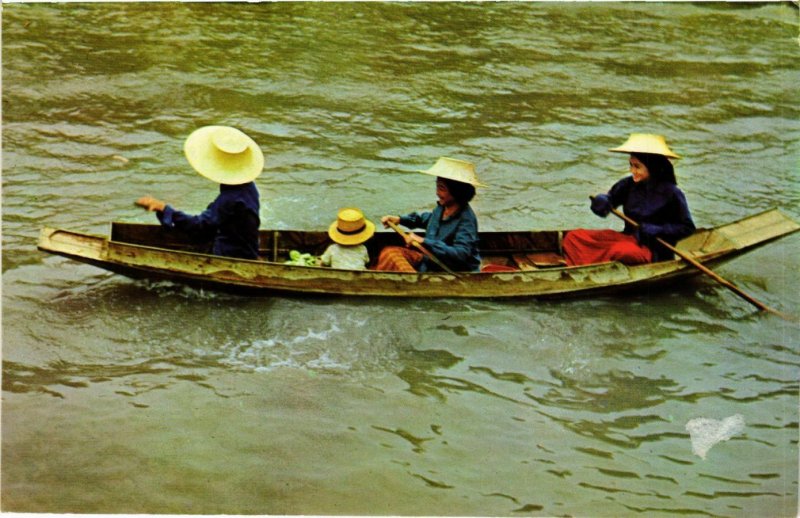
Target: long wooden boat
516	264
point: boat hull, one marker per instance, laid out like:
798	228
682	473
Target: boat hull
152	252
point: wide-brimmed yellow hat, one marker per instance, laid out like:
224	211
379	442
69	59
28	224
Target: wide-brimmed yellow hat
351	227
454	169
645	143
224	154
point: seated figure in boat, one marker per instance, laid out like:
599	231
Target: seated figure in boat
349	233
650	196
451	228
230	158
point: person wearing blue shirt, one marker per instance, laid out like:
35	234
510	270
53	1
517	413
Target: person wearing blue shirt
451	228
649	196
229	157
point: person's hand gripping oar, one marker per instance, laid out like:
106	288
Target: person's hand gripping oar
705	269
416	244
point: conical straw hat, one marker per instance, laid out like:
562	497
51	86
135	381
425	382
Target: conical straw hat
454	169
351	228
645	143
224	154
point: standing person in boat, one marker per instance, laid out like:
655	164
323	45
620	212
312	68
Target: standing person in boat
230	158
451	228
650	196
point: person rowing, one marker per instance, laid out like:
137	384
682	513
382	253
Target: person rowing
649	196
451	228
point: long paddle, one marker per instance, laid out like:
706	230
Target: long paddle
704	269
424	250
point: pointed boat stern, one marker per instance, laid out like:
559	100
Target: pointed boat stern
740	236
82	247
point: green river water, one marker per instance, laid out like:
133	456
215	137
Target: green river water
124	396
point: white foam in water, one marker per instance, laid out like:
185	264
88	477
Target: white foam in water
305	350
326	362
706	432
169	288
313	335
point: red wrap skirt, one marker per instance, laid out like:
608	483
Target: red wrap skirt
599	246
399	259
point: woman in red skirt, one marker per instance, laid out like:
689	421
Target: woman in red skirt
650	196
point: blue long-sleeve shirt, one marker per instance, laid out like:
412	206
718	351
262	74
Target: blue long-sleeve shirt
454	240
662	205
231	221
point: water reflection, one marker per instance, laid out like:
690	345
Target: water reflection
610	392
53	379
417	443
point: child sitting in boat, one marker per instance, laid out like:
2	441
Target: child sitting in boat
349	233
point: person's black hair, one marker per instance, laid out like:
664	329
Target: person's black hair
460	191
659	167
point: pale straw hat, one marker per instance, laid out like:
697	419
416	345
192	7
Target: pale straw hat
454	169
645	143
224	154
351	228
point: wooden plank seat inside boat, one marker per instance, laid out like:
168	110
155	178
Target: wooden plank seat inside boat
524	262
521	251
538	260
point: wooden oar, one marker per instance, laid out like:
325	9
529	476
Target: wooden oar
694	262
422	249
